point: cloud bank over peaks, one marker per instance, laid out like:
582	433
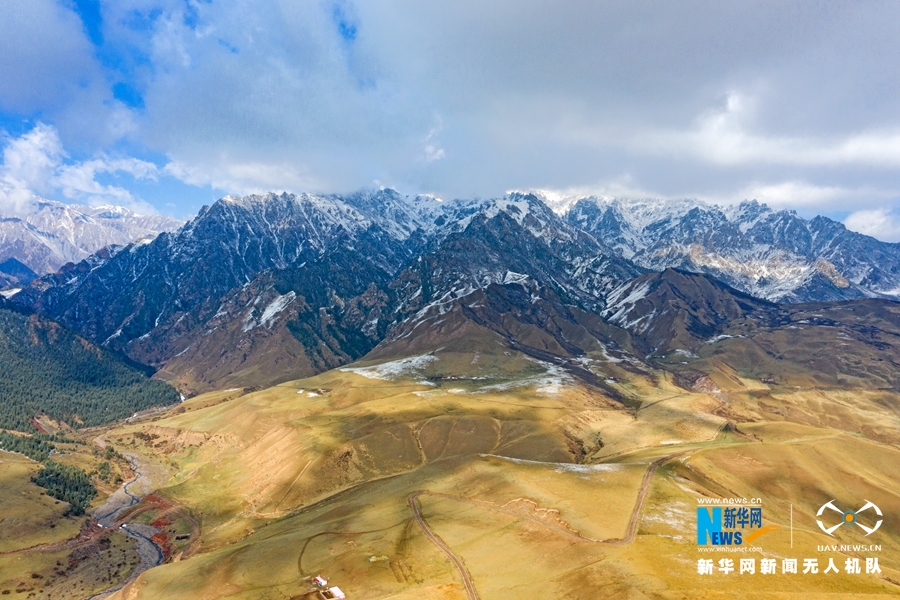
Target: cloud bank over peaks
726	137
880	223
36	165
870	216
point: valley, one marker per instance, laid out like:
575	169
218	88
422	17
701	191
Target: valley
471	400
337	474
393	300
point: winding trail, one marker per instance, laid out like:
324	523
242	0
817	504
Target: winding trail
630	531
639	501
413	501
322	533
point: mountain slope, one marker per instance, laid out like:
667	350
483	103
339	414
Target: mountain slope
326	280
507	240
118	298
676	309
262	289
850	344
13	272
693	322
509	275
774	255
335	308
286	323
48	370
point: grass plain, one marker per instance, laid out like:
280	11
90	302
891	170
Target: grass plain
528	475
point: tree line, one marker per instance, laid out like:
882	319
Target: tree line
30	446
48	370
66	483
38	446
69	484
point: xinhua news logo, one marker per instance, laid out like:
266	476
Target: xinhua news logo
729	525
850	518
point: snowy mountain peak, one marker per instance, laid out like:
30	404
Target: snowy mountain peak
52	233
778	256
321	279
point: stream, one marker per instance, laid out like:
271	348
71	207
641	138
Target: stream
131	492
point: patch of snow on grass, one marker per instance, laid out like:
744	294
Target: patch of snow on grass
679	515
552	382
719	338
394	369
561	467
687	353
609	357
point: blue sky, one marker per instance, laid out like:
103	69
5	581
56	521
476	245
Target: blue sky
167	105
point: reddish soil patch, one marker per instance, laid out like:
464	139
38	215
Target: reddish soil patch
162	522
158	501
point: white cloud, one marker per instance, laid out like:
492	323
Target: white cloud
45	57
272	94
35	165
725	137
78	181
793	193
262	97
879	223
29	163
561	199
789	193
802	194
433	151
796	194
244	177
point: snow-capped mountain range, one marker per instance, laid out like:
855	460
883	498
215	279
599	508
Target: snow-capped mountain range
52	234
278	286
775	255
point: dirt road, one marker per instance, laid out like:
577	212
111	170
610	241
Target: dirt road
639	502
413	500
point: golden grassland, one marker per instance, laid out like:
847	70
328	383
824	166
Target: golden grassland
314	476
29	516
529	476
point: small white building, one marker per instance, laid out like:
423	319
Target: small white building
320	581
333	593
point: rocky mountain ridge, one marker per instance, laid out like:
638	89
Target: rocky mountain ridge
775	255
266	288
